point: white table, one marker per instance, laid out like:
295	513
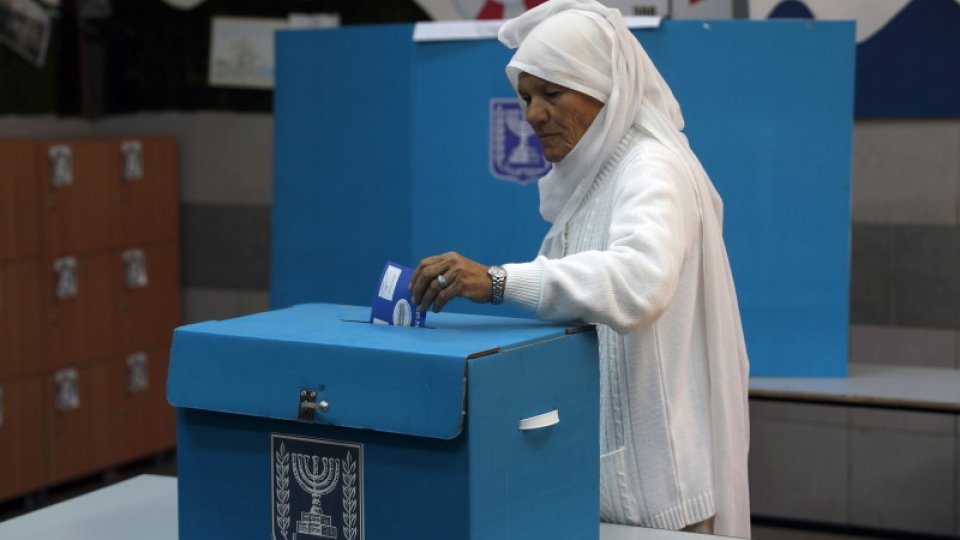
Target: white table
142	508
869	385
145	508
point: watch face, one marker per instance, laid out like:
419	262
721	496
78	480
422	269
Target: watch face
497	271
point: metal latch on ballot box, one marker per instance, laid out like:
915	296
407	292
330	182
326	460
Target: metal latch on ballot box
309	405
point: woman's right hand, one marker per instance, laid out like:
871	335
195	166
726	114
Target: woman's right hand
463	277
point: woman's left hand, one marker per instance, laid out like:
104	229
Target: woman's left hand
461	276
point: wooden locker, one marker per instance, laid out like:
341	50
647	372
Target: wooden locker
19	209
148	311
79	196
21	436
141	421
76	408
79	328
20	318
149	200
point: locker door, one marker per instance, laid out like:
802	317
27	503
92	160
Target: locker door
149	303
78	442
19	318
142	422
129	388
79	324
21	436
149	200
79	195
19	206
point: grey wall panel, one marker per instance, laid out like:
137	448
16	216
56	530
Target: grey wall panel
897	345
901	421
201	304
773	411
225	246
903	480
44	126
871	274
905	275
225	158
927	276
906	171
798	468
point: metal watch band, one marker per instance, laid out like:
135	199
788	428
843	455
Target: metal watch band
499	278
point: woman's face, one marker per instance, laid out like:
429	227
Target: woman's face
559	116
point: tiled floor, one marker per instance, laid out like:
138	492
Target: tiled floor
162	464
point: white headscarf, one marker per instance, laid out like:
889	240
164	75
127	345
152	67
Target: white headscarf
584	45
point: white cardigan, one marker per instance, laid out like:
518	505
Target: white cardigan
632	265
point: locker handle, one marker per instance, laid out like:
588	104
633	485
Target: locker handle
68	280
135	269
61	165
132	160
540	421
68	391
138	373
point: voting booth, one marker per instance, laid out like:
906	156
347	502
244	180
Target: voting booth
386	147
309	422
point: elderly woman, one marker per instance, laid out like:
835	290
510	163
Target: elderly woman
635	247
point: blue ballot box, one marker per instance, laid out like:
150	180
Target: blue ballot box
310	423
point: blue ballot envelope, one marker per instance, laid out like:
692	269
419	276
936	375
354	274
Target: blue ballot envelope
393	303
307	423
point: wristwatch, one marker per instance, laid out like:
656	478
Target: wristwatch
499	278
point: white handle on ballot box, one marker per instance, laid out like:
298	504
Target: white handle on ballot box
540	421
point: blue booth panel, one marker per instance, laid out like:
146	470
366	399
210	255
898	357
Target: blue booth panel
383	152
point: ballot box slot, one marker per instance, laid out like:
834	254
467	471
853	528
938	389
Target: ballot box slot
385	325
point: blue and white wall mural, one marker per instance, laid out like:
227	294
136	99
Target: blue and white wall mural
908	51
443	10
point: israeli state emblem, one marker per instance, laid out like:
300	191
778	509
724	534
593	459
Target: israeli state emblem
515	151
317	489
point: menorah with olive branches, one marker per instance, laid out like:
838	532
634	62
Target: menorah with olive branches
317	482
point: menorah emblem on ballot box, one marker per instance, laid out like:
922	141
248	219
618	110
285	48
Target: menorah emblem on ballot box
320	469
